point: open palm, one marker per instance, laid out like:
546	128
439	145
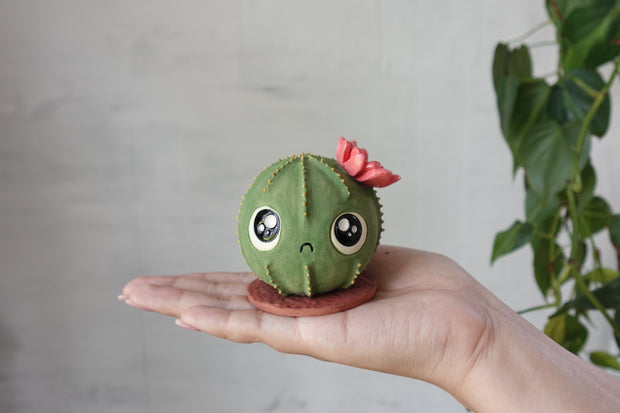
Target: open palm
427	316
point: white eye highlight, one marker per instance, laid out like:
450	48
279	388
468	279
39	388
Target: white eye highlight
271	221
348	233
264	228
344	224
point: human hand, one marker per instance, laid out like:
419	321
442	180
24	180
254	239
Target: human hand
428	319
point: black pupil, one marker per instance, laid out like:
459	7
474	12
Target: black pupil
348	230
266	225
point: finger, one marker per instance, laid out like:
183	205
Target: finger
208	283
245	278
146	280
247	326
210	287
242	277
173	301
187	284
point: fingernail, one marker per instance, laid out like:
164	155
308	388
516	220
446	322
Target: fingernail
123	297
139	307
185	326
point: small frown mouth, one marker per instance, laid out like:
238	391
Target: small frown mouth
306	244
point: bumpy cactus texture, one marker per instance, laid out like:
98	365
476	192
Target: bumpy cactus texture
306	227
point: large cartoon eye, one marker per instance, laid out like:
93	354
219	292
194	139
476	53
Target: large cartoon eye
349	233
264	228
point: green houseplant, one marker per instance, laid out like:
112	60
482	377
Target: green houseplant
548	123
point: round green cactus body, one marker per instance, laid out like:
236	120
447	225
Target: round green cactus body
306	227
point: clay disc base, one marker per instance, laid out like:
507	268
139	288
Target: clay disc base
264	297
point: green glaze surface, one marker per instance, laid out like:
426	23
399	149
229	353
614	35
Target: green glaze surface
302	200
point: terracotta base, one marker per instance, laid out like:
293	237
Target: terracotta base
266	298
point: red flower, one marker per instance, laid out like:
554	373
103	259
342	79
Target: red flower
354	161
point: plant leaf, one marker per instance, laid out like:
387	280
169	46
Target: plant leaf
546	266
528	106
595	216
572	97
614	230
510	67
511	239
559	9
545	231
581	253
547	157
521	62
515	63
567	331
606	50
581	21
579	87
601	275
588	183
501	63
556	107
589	34
572	130
604	359
617	322
608	295
537	209
506	91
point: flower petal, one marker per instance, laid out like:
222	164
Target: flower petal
377	177
372	165
343	150
356	162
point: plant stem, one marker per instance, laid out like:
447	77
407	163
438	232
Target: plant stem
572	211
543	43
572	208
538	307
595	302
563	276
530	32
557	292
595	253
590	115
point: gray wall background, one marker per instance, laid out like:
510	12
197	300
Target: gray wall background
130	129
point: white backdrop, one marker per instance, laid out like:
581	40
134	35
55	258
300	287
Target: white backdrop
130	129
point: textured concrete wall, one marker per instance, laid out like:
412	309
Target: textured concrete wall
130	129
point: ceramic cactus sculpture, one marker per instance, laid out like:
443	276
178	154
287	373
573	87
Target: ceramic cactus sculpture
309	224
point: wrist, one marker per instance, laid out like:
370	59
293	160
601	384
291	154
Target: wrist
524	370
